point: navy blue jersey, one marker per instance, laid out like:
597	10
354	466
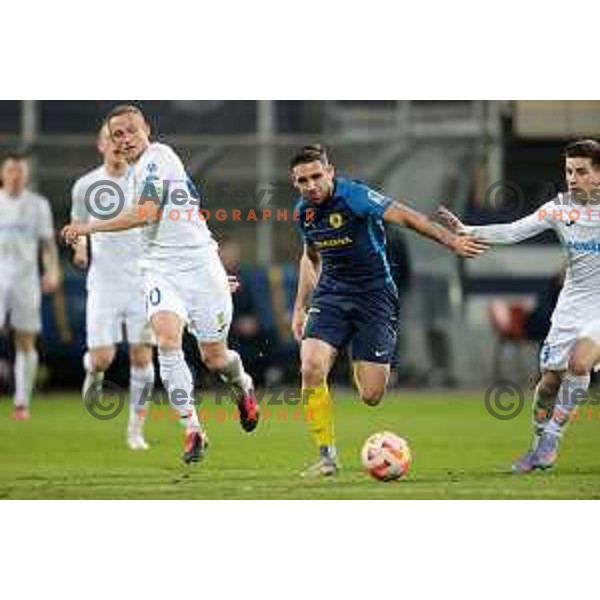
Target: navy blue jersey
347	230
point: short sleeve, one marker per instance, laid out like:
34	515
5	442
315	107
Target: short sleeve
45	223
161	168
79	211
366	202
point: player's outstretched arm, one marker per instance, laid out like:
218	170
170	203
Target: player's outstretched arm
127	219
307	281
466	246
503	234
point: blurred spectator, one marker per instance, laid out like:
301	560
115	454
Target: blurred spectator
400	265
247	335
537	321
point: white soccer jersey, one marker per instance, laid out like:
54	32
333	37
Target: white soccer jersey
578	229
115	265
180	240
24	221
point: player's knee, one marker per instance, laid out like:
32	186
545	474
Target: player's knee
24	342
214	361
215	356
579	366
547	389
313	372
102	360
168	342
372	396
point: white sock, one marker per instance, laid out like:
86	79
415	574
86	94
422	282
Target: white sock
91	375
570	397
141	384
233	372
177	379
25	369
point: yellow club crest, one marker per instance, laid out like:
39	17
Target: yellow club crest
336	220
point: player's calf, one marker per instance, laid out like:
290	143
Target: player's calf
544	401
228	365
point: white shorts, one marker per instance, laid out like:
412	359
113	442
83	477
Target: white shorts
20	303
114	317
200	297
561	341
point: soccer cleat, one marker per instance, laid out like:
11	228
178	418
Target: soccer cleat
20	413
525	463
324	468
249	413
547	451
137	442
196	443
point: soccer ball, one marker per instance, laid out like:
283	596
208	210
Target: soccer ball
386	456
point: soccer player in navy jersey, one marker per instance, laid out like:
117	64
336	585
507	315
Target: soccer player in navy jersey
346	295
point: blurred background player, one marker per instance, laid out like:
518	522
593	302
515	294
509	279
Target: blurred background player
185	281
354	299
115	287
572	347
25	227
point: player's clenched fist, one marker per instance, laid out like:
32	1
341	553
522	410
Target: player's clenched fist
71	232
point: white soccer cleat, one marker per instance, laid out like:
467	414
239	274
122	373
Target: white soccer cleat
137	442
324	468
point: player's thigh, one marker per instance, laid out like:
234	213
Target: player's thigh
137	327
371	380
375	320
167	326
165	309
104	322
557	347
25	306
329	320
316	357
210	307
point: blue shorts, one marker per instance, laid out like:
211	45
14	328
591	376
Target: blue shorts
366	322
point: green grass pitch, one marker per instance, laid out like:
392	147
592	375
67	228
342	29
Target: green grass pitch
460	451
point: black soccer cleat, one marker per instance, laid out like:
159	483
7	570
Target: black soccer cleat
196	443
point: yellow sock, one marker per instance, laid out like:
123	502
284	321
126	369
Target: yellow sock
318	412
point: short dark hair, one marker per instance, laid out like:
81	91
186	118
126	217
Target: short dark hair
125	109
13	155
308	154
584	149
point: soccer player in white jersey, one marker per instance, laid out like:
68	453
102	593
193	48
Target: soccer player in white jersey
186	284
115	287
572	349
25	225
